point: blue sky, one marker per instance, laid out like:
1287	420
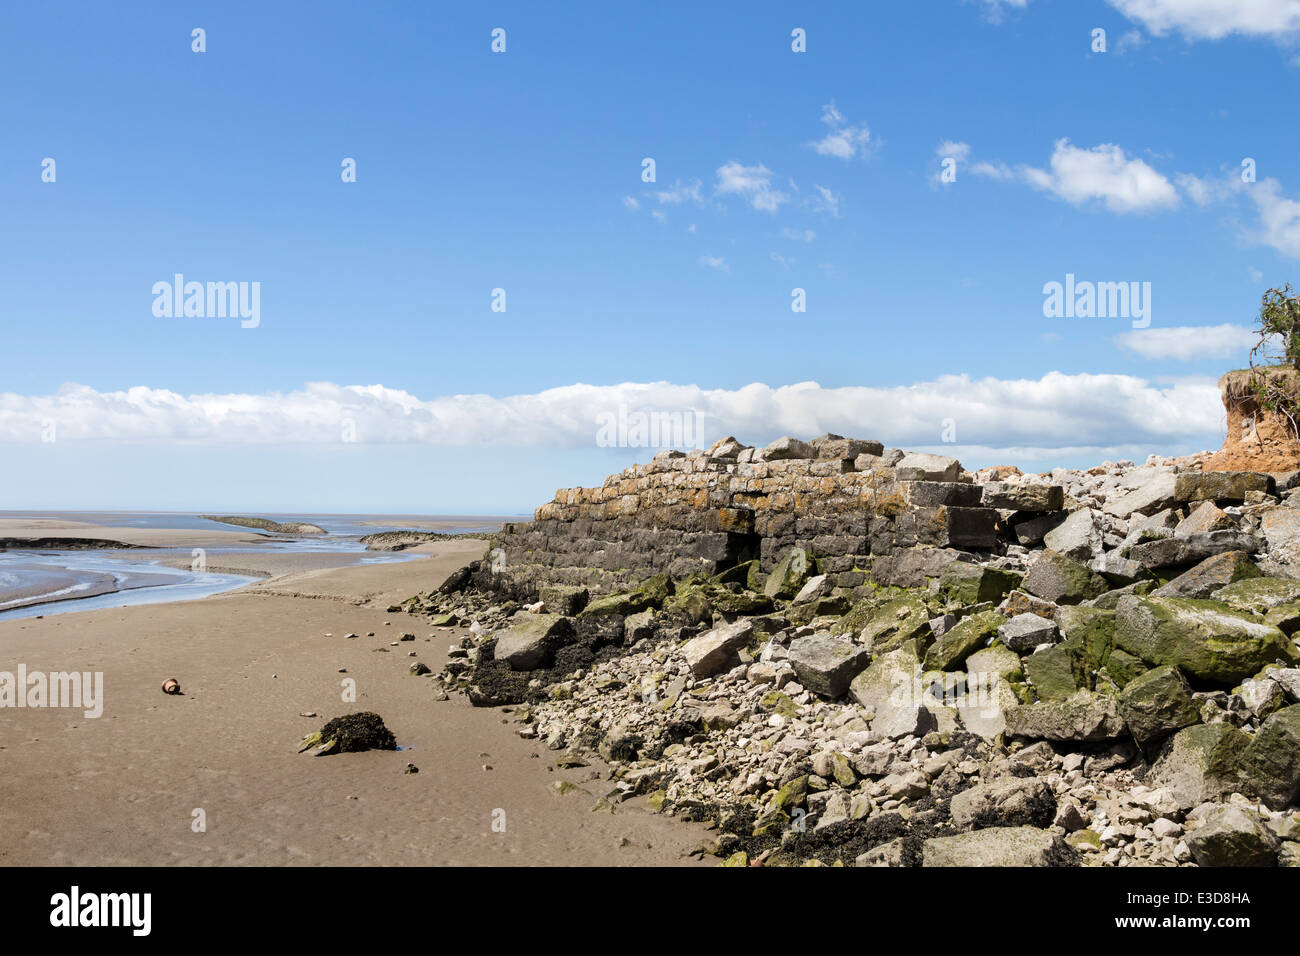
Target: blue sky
522	171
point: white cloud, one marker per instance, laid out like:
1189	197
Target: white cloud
1279	217
631	203
799	235
828	201
995	9
948	153
993	170
680	192
1122	184
659	216
844	141
1215	19
832	116
752	183
781	260
1185	343
1200	191
961	152
953	149
1057	411
1129	41
715	262
1103	173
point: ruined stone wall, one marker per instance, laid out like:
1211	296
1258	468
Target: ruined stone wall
884	513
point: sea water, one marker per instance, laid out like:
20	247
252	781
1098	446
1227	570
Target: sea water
56	578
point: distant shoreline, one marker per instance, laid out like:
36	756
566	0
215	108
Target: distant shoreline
68	544
51	559
401	540
266	524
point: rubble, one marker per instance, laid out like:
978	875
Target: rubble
835	652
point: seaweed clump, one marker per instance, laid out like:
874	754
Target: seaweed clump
350	734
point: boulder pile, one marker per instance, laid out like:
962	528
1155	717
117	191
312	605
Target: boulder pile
861	656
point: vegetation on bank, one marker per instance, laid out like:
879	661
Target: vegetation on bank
1274	377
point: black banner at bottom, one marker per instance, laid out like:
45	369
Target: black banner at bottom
186	904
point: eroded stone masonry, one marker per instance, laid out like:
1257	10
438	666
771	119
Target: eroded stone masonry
855	505
842	653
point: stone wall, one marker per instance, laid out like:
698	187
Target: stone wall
852	504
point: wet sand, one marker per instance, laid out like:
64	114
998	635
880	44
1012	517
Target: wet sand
56	585
445	522
23	585
44	528
267	563
123	788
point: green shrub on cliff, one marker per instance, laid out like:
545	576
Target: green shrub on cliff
1276	356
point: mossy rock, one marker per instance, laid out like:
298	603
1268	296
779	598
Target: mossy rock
800	614
791	795
1081	838
694	602
624	603
963	583
778	703
739	574
832	605
741	602
1121	667
562	788
963	639
1052	673
350	733
790	574
997	660
856	618
843	771
1109	600
657	589
651	593
772	822
1207	640
1285	617
1200	763
1270	764
1259	595
1089	639
1058	672
888	625
1062	580
1157	704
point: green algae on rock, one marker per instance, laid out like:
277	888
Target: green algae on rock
350	733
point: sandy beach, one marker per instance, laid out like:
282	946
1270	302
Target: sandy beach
124	788
53	528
